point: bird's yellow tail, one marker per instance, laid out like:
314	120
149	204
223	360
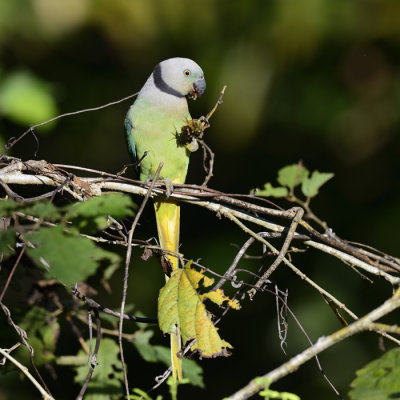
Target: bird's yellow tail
168	217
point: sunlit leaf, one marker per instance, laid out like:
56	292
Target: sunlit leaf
180	305
380	379
292	175
273	394
218	297
271	191
311	185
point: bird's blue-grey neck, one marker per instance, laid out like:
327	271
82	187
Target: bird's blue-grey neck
162	85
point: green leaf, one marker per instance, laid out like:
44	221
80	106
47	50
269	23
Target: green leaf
139	394
43	331
311	185
292	175
180	305
273	394
191	369
40	209
118	205
8	206
7	242
92	214
380	379
66	257
271	191
143	346
107	375
43	209
26	99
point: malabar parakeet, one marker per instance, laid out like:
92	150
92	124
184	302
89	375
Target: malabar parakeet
153	125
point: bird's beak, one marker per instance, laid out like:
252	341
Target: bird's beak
198	89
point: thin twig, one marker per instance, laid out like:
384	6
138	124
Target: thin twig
26	372
282	252
24	339
212	111
96	306
11	349
289	264
92	357
31	129
363	324
126	274
209	170
3	292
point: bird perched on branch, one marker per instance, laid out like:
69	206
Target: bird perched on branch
153	130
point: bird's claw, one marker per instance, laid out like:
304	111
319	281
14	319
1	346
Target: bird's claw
169	188
205	121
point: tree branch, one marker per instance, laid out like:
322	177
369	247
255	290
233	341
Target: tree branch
363	324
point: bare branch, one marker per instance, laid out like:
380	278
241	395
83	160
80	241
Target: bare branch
365	323
26	372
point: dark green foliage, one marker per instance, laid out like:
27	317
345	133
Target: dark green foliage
7	242
59	248
105	383
378	380
43	331
67	257
156	353
92	215
53	240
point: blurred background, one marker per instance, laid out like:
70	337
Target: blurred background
310	80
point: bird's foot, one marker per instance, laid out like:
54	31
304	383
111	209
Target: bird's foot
169	188
205	122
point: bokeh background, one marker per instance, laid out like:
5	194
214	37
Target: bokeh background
310	80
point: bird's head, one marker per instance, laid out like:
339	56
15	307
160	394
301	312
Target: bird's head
180	77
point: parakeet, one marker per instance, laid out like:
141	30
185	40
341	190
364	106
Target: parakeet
153	125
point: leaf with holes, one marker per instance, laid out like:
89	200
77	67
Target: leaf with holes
180	305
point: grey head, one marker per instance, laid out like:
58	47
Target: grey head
179	77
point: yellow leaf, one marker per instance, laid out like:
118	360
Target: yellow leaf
218	297
180	305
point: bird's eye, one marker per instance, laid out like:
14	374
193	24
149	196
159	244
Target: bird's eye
187	72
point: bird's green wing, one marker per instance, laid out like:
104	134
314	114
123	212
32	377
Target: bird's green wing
129	140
